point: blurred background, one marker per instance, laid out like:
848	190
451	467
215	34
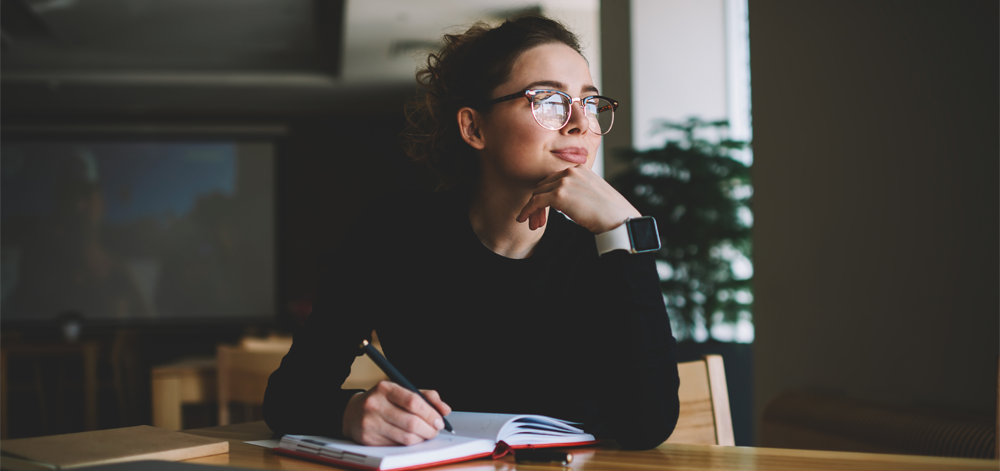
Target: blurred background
173	173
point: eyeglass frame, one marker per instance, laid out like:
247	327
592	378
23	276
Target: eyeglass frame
531	92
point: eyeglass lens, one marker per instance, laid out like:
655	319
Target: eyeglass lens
552	111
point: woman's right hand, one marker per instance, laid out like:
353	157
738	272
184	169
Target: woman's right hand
389	414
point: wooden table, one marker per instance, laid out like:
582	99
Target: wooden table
186	381
608	457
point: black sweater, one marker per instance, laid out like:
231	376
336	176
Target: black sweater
563	333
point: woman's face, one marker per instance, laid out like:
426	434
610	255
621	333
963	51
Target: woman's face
516	149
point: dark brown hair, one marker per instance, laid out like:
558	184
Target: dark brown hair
464	73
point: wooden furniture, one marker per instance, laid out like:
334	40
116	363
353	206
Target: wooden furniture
238	374
819	421
364	372
607	456
186	381
243	371
125	373
704	418
243	374
103	447
82	353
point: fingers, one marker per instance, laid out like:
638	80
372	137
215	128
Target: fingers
389	414
537	219
556	176
536	207
376	424
549	192
403	424
536	202
435	399
582	196
376	432
412	413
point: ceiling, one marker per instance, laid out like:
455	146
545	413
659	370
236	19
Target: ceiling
353	40
93	50
386	39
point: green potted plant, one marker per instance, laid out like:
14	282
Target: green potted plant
700	196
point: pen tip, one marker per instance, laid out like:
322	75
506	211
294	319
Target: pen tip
364	343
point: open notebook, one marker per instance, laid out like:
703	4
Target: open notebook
477	435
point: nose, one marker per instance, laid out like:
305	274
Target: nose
578	123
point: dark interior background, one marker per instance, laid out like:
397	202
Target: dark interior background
875	175
327	168
337	146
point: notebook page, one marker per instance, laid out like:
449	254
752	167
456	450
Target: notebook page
536	430
517	429
539	424
479	424
443	447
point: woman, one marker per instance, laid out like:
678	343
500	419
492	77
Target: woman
482	293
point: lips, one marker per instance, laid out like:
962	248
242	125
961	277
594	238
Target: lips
576	155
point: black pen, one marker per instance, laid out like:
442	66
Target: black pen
542	456
397	377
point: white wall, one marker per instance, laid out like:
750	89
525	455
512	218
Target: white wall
678	64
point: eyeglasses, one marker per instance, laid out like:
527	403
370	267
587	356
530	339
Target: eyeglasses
553	108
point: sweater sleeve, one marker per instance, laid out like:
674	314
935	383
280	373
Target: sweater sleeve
304	394
638	390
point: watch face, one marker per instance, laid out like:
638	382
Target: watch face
643	233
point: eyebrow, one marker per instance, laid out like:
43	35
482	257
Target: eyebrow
557	85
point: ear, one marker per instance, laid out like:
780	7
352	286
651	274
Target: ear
470	127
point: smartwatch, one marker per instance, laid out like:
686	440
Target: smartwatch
636	235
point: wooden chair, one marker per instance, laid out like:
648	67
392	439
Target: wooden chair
199	380
704	415
243	372
188	381
364	372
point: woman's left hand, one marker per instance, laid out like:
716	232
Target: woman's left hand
583	196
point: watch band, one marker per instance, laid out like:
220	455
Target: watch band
615	239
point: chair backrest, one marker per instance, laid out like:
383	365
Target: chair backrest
243	370
364	372
704	415
272	342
